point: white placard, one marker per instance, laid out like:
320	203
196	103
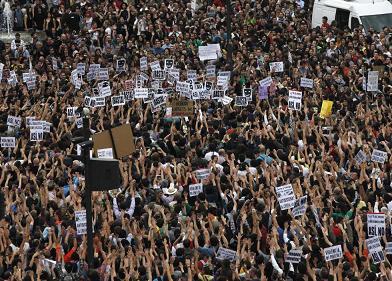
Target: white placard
81	222
140	93
105	153
159	100
182	87
294	256
159	75
218	94
98	102
14	121
79	123
265	82
306	83
388	248
195	189
295	100
286	196
94	68
217	49
118	100
226	100
36	133
155	65
120	65
103	74
276	66
128	95
241	101
372	81
207	53
202	174
375	249
379	156
210	71
81	68
191	74
144	64
333	253
375	224
300	206
169	64
8	142
360	157
71	111
226	254
104	89
1	71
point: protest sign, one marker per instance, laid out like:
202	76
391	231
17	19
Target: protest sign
295	100
360	157
105	153
379	156
143	64
226	254
81	67
71	111
14	121
374	247
159	75
375	224
36	133
169	63
8	142
226	100
104	89
140	93
241	101
159	100
263	92
333	253
202	174
266	81
195	189
218	94
300	206
247	92
120	65
155	65
306	83
98	101
372	81
103	74
210	71
79	122
118	100
326	109
207	53
388	248
191	74
294	256
285	195
128	95
182	108
276	66
81	222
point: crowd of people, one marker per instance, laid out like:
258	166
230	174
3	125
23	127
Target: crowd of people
254	189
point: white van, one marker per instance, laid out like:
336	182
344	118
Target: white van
374	14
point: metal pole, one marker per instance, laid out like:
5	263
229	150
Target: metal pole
229	13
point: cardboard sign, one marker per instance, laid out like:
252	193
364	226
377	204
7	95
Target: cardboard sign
8	142
155	65
202	174
128	95
375	224
144	64
210	71
300	206
71	112
241	101
159	75
207	53
195	189
263	92
294	256
94	68
103	74
379	156
105	153
218	94
276	66
306	83
266	81
375	249
286	197
360	157
326	109
36	133
226	100
295	100
120	65
372	81
81	67
182	108
104	89
79	123
159	100
118	100
81	222
226	254
122	144
247	92
98	102
182	87
333	253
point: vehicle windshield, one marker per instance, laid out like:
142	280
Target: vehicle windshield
377	22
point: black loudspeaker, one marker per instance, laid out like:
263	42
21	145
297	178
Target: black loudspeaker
103	174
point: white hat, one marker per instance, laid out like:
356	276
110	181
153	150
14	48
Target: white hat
171	190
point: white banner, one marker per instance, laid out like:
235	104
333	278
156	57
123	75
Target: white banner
202	174
333	253
226	254
375	249
295	100
375	224
8	142
294	256
300	206
195	189
306	83
286	196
